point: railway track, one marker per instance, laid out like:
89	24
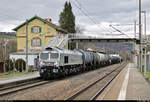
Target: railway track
15	87
6	90
94	89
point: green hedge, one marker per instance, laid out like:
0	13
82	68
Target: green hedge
20	65
9	65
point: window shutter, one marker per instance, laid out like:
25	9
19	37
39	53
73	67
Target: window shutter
32	30
40	42
40	29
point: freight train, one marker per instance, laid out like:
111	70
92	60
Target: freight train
55	62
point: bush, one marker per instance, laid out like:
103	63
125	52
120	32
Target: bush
9	65
30	68
20	65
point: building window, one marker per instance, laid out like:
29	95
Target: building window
36	29
23	31
36	42
49	30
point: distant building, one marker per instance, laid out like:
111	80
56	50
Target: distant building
40	31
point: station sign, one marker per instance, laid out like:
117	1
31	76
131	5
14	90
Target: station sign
135	52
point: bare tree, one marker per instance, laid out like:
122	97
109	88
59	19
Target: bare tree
79	29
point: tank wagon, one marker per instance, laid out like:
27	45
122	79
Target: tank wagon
55	62
115	58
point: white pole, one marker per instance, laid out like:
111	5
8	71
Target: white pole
145	42
5	59
145	45
145	62
27	45
140	35
134	42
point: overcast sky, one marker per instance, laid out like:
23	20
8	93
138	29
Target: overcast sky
103	12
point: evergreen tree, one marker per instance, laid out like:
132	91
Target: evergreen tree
67	18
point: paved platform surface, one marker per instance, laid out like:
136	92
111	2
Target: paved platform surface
18	78
129	85
138	88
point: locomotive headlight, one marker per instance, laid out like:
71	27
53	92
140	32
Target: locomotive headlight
56	64
42	63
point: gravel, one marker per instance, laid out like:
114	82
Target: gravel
58	87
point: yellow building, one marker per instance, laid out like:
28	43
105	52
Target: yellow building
40	31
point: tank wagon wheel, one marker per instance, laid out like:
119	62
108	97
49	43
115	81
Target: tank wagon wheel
90	68
94	67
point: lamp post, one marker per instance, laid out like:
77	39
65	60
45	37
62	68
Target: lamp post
145	40
140	37
27	45
5	45
144	12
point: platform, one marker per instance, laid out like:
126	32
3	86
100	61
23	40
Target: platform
18	78
129	85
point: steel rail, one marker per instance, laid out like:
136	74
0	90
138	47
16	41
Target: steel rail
105	86
73	96
21	87
19	84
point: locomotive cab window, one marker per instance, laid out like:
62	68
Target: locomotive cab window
54	55
44	56
65	59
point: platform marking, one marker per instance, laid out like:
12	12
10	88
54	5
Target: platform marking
122	95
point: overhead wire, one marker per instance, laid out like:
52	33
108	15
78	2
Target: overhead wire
92	21
103	27
85	13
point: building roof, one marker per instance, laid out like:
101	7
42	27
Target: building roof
44	21
24	53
